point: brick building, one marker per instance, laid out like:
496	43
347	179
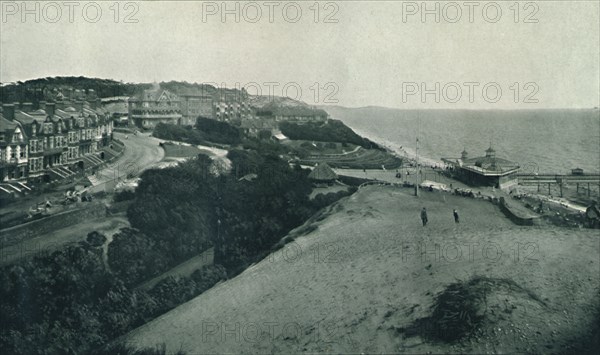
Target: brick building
195	104
56	140
154	106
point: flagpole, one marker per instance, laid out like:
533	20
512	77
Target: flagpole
417	154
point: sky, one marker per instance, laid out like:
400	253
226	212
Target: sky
495	55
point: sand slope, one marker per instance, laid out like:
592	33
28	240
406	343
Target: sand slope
370	268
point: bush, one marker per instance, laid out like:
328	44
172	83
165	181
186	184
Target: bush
126	349
322	200
96	239
207	131
331	131
124	195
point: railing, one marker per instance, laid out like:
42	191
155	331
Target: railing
558	177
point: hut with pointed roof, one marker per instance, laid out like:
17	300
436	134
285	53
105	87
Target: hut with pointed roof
322	174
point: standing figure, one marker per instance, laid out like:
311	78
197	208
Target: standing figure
455	213
424	216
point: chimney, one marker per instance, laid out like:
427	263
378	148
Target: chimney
50	109
43	105
8	111
94	104
78	106
27	107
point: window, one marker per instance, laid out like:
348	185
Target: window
17	136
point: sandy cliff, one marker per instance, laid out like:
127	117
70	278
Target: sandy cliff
370	271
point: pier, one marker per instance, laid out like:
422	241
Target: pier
560	179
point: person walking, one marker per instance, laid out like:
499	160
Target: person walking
455	213
424	216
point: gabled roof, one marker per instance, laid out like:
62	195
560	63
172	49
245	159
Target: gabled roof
90	111
29	128
6	125
154	95
491	163
7	129
27	118
63	114
322	172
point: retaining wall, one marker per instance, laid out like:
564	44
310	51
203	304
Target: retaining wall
516	217
17	234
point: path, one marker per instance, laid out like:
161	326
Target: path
141	152
184	269
58	238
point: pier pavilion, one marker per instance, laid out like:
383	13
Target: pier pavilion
487	170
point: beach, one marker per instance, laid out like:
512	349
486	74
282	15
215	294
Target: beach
543	141
573	200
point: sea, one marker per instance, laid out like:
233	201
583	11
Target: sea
540	141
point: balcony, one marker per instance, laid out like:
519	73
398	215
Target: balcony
8	162
54	151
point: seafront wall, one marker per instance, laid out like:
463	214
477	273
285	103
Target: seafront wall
515	216
40	227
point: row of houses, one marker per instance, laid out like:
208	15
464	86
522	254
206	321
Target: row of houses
54	140
156	105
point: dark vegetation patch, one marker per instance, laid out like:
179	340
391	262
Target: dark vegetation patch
330	131
205	132
126	349
124	195
461	309
67	302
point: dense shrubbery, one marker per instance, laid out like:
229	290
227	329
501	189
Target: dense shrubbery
255	215
331	131
217	131
41	89
174	220
125	349
207	131
177	211
124	195
322	200
178	133
181	211
69	303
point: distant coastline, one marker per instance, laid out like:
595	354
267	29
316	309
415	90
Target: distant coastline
404	151
554	141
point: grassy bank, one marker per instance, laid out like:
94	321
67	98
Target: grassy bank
369	271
